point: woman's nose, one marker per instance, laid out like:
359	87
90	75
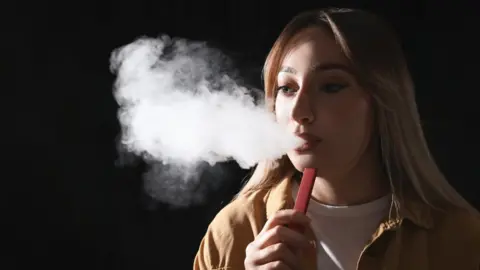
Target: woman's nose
302	112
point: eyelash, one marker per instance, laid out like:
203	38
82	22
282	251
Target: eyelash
283	88
341	86
324	88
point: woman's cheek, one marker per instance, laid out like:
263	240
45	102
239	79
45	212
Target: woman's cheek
282	112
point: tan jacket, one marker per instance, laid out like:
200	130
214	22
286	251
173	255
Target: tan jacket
418	239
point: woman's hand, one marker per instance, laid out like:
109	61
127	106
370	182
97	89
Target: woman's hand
277	246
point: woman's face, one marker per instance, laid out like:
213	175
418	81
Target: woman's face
320	100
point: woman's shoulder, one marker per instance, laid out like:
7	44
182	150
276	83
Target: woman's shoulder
462	222
250	210
458	231
241	213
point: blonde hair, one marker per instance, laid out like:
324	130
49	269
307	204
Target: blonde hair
377	58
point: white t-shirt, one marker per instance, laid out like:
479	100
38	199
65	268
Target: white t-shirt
343	231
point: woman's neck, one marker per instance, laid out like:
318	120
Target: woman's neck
364	183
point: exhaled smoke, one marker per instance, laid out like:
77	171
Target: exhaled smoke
178	107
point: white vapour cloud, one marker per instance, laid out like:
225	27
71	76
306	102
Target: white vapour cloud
177	106
174	108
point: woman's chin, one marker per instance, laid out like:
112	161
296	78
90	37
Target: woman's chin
302	162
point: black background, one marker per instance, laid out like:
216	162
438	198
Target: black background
67	202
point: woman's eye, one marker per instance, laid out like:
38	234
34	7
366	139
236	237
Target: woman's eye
286	90
331	88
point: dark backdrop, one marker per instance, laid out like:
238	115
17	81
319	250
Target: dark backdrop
67	202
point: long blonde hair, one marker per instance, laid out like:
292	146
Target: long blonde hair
377	57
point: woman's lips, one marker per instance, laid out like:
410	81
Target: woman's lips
307	146
311	141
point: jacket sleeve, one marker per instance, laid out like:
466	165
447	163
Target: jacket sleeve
203	260
217	248
223	246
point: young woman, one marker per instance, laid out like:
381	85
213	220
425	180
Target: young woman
339	80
